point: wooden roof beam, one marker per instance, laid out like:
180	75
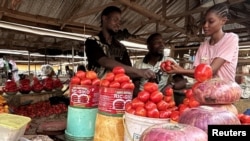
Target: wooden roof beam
151	15
201	9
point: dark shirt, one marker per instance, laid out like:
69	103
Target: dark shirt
97	47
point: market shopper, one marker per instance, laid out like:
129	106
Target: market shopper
220	49
153	60
104	52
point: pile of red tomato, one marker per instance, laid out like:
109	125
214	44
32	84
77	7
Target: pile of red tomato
40	109
150	102
85	78
10	87
24	86
117	79
36	85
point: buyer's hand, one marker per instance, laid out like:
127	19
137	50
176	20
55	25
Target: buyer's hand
147	73
175	69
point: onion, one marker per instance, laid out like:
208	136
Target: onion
217	91
203	116
228	107
173	132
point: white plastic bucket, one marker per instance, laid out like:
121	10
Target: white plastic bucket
135	125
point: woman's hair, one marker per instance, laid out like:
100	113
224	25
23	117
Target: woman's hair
220	9
108	10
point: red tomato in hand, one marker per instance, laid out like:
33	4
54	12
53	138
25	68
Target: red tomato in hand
143	96
153	113
203	72
118	69
156	96
162	105
75	80
114	84
150	105
163	66
141	111
150	87
169	91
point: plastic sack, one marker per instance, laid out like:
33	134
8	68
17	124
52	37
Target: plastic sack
217	91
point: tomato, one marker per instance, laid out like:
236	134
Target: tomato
75	80
150	87
162	105
127	85
143	96
182	108
189	93
165	114
203	72
193	103
168	63
81	74
137	103
171	103
186	101
169	91
240	115
131	111
104	83
153	113
86	81
96	82
150	105
121	78
109	76
162	66
168	98
245	119
118	69
195	85
128	106
114	84
156	96
91	75
141	111
175	115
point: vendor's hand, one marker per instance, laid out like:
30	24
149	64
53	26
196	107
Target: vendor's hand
176	69
146	73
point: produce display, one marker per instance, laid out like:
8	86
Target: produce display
217	91
40	109
24	86
173	132
208	115
36	85
85	78
4	108
57	84
48	83
227	107
10	87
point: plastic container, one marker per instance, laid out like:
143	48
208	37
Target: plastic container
12	127
135	125
81	122
112	101
84	96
